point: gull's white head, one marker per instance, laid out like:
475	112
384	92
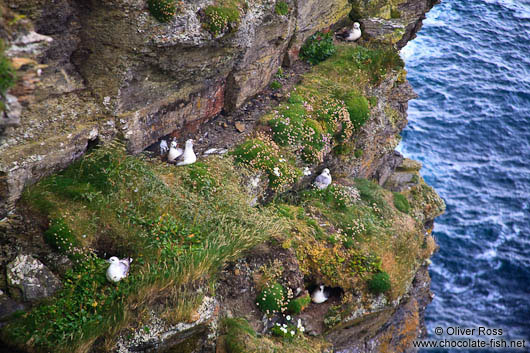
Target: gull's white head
322	287
173	144
356	25
113	260
189	143
326	171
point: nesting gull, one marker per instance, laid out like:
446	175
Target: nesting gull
323	180
174	152
189	156
118	269
319	295
353	34
163	147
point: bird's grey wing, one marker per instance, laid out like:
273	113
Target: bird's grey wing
320	179
124	266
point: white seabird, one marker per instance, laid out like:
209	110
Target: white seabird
189	156
174	152
118	269
323	180
319	296
163	147
353	34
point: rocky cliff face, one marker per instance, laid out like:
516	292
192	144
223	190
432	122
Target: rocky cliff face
92	71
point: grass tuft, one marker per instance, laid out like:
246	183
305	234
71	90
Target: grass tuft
401	202
281	8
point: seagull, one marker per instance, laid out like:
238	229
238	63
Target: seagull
319	295
118	269
163	147
323	180
189	156
174	152
353	34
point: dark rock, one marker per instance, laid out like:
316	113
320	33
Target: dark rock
8	306
29	278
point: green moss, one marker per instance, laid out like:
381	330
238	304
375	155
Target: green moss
281	8
296	306
162	10
220	19
318	48
358	108
358	153
272	298
275	85
379	283
401	202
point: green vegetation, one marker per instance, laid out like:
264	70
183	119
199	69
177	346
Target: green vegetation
221	18
7	73
296	306
272	298
394	13
401	202
379	283
281	8
280	74
346	234
162	10
288	331
275	85
318	48
333	316
263	154
180	225
239	337
358	108
61	238
322	114
377	61
234	328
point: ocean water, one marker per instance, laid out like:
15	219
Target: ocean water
470	65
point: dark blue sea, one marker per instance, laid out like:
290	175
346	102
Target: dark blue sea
470	126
